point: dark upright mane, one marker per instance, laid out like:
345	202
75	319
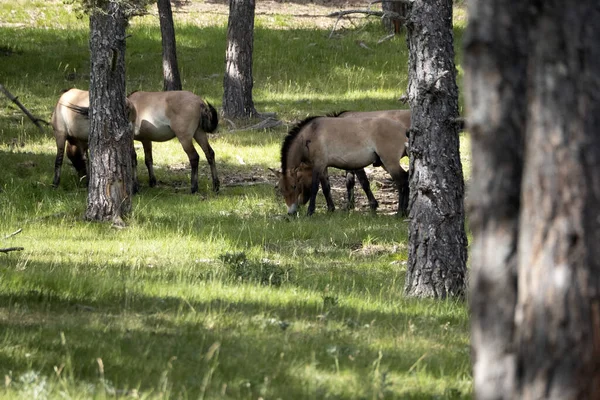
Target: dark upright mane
336	114
289	139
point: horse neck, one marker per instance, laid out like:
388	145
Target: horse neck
294	154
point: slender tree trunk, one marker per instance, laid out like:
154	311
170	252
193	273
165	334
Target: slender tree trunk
171	80
395	25
238	81
534	68
558	308
111	140
437	240
496	68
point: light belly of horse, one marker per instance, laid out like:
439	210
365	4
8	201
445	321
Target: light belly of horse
352	161
155	133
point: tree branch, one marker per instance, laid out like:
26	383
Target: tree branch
15	100
13	234
9	249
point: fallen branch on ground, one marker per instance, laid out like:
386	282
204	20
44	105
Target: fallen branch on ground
9	249
267	123
382	14
13	234
15	100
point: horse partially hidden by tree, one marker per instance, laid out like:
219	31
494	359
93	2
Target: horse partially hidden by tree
347	143
71	125
156	117
304	172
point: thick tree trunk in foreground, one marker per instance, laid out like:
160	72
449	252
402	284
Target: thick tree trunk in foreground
171	80
496	66
554	351
558	308
238	81
111	140
437	240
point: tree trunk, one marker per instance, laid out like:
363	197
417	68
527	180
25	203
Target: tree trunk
171	80
395	25
552	349
238	81
111	140
496	67
437	240
558	308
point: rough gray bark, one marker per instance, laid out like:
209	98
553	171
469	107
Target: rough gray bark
558	308
238	81
171	79
395	25
551	347
495	67
437	240
111	140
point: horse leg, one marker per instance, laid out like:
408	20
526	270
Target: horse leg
136	183
313	191
324	179
400	176
350	182
60	154
147	144
202	140
77	155
188	147
366	186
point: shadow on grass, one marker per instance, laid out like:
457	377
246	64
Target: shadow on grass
303	349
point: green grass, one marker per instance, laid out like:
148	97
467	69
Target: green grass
209	296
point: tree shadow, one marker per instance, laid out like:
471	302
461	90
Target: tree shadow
141	338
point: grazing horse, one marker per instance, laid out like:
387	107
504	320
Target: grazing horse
71	125
161	116
156	116
345	143
304	173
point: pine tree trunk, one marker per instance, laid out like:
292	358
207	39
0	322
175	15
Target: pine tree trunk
111	140
495	68
395	25
437	240
533	83
558	308
171	80
238	81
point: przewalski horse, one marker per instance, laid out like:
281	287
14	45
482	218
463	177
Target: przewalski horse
345	143
156	116
161	116
71	125
304	173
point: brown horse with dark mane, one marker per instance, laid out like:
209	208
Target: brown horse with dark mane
304	173
346	143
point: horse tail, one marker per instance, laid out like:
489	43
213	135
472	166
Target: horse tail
85	111
209	120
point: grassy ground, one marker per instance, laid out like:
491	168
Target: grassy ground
210	296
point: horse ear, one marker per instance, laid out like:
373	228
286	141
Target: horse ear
276	172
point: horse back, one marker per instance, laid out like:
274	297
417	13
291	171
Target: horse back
402	116
178	110
67	122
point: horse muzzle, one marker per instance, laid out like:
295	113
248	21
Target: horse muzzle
293	209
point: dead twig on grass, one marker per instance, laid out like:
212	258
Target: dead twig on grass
15	100
9	249
13	234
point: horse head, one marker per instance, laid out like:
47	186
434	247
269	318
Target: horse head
289	188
